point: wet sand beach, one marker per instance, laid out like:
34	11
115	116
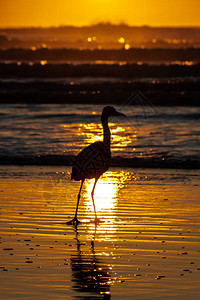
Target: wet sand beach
146	245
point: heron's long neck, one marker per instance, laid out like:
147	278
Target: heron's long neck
106	134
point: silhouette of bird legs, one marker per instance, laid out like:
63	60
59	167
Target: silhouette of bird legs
92	195
75	221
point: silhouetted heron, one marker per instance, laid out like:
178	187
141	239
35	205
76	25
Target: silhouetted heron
94	159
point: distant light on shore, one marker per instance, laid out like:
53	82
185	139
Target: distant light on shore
43	62
89	39
182	63
44	45
121	40
33	48
127	46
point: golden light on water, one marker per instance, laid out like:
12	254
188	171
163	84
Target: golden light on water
106	201
153	241
105	193
93	132
105	198
120	138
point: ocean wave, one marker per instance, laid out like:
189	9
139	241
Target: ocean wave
58	117
68	117
179	116
117	161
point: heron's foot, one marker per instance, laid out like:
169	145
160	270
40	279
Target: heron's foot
74	222
97	220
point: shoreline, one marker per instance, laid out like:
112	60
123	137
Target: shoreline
136	162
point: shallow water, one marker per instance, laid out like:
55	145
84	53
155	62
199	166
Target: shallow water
161	133
146	245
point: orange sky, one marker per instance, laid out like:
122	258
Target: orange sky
78	12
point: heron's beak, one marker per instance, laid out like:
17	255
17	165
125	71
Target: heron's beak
119	114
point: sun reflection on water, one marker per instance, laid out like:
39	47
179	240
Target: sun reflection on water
122	139
105	193
106	201
93	132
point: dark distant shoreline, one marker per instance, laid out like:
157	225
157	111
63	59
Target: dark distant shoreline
102	36
132	55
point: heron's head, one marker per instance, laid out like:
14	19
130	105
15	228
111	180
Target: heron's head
110	111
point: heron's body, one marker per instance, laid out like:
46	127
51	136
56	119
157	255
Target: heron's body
91	162
94	160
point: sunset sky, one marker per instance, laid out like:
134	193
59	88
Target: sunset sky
17	13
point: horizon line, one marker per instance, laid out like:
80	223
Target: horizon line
97	24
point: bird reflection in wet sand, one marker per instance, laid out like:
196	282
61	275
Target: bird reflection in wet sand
94	160
89	274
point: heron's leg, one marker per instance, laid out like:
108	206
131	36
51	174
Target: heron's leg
92	194
79	195
75	220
